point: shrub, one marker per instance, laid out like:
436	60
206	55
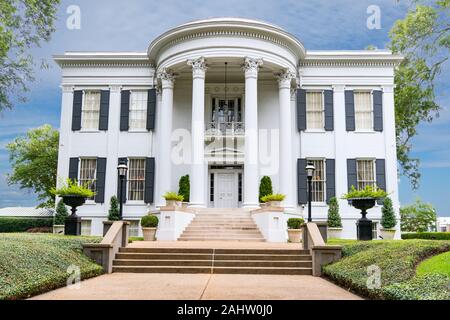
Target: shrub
184	188
113	213
418	217
61	213
367	192
334	219
71	188
427	235
23	224
426	287
388	219
173	196
149	221
273	197
265	187
295	223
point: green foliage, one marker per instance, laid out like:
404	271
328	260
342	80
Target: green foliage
13	224
273	197
427	287
132	239
418	217
24	24
31	264
388	219
265	187
423	38
367	192
184	187
61	213
427	235
437	264
396	259
149	221
334	219
34	161
295	223
113	213
173	196
71	188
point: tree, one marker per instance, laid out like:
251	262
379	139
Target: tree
423	38
334	219
61	213
388	219
265	187
418	217
24	24
184	188
113	213
34	161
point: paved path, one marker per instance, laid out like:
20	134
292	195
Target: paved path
153	286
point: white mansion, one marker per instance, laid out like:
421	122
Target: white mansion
228	101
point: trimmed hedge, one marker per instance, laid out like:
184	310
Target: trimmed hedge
427	235
8	224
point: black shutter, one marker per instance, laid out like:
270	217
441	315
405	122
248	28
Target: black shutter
301	109
149	180
352	179
331	183
302	185
151	109
76	110
73	168
124	110
329	119
124	194
380	168
349	110
378	110
104	110
100	182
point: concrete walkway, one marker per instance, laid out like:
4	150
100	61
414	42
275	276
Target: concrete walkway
132	286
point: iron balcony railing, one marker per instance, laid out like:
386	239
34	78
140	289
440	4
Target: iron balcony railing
215	129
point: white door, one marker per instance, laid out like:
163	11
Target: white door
225	190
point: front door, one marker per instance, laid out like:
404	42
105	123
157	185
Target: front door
226	190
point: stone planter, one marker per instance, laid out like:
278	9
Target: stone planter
295	235
149	234
173	203
334	233
58	229
274	203
387	234
72	224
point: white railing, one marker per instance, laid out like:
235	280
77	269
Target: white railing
225	129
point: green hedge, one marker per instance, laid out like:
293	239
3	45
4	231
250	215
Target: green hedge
427	235
23	224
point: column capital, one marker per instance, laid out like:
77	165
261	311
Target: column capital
115	88
167	78
199	67
67	88
284	78
251	66
338	88
388	89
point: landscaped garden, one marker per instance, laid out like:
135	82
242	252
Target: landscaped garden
35	263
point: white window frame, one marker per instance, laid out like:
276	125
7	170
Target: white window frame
324	179
89	221
374	171
130	127
96	128
322	129
90	200
129	201
370	129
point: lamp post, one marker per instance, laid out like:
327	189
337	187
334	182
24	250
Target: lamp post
309	173
122	170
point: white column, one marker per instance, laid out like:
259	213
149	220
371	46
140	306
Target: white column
251	172
340	151
285	161
163	159
197	177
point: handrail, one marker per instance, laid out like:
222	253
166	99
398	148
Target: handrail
233	128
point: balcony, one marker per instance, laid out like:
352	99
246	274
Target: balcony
224	129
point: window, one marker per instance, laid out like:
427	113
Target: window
86	227
365	173
90	112
363	111
138	110
318	181
314	110
88	174
374	230
133	230
136	179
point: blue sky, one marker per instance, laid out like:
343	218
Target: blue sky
131	25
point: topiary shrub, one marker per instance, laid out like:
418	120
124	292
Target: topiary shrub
295	223
334	219
388	219
149	221
184	187
113	213
265	187
61	213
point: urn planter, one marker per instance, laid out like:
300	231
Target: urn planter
72	224
149	234
387	234
273	204
58	229
335	233
295	235
173	203
364	225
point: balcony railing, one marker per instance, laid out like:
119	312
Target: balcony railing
219	129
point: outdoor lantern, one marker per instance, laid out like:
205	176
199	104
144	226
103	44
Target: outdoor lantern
310	170
122	168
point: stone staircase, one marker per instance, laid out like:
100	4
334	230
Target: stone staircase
222	225
206	260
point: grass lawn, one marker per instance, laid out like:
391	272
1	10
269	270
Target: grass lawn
35	263
397	261
438	264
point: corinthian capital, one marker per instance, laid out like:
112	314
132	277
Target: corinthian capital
167	77
284	78
198	64
252	64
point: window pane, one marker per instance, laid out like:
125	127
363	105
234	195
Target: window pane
318	181
365	173
90	113
88	174
363	111
136	180
314	110
85	227
138	110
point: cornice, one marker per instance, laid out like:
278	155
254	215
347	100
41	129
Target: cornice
346	63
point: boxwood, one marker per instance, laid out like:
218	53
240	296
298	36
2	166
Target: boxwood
427	235
11	224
